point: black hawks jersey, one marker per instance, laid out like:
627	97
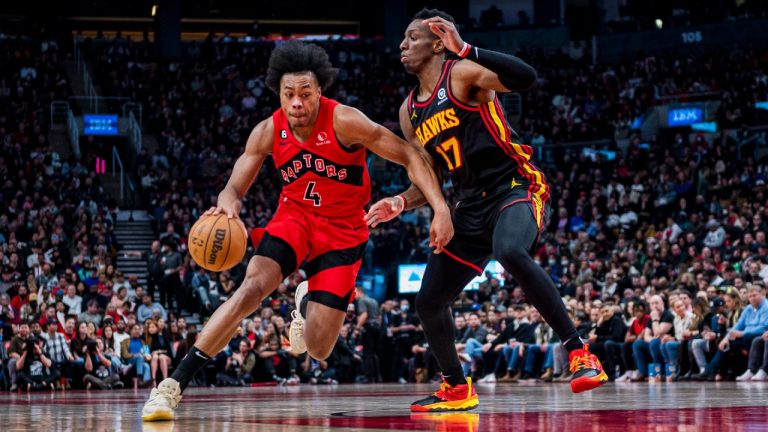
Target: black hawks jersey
474	144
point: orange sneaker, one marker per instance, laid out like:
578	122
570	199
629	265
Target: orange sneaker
588	373
459	398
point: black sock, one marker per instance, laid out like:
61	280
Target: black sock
189	366
573	342
454	377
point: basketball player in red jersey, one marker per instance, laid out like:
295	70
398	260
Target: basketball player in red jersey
318	147
503	198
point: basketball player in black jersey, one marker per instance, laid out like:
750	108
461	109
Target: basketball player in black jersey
503	198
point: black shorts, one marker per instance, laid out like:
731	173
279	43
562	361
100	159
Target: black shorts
474	224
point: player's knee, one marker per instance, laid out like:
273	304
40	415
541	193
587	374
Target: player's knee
250	294
319	353
510	254
426	306
318	350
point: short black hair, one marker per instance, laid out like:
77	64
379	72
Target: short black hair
295	57
430	13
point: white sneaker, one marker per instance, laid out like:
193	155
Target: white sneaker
292	380
490	378
162	401
760	376
746	376
296	332
626	377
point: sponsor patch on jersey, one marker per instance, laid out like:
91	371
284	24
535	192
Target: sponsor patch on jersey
322	138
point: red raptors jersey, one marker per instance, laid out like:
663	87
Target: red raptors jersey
319	174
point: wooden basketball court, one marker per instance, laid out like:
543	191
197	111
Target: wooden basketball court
384	407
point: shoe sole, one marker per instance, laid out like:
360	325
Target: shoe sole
581	385
158	416
466	405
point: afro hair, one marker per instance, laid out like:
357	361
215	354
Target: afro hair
295	57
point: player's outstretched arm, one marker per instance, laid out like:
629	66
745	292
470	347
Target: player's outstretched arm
353	127
258	146
488	69
389	208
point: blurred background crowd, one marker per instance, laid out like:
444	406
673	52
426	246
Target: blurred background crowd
657	243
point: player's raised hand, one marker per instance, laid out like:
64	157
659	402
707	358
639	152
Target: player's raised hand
441	231
447	32
384	210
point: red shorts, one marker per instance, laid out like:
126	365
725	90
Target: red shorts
333	250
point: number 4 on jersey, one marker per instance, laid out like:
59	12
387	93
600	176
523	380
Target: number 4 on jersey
311	195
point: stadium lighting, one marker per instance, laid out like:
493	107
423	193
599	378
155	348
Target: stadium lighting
659	23
154	10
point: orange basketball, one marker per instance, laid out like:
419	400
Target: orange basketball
217	243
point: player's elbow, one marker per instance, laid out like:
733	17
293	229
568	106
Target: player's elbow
523	79
526	78
530	77
417	160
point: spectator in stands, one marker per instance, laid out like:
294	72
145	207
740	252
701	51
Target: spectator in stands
620	353
239	366
57	349
98	368
159	348
716	235
154	267
34	367
132	352
15	350
278	363
147	309
403	325
610	328
170	284
528	320
471	342
544	338
757	368
225	287
649	345
77	347
710	331
72	300
369	325
752	323
345	359
671	342
7	316
91	315
201	285
120	282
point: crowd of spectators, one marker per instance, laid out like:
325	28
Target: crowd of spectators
660	254
641	15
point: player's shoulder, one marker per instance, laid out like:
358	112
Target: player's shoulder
404	105
266	126
462	66
343	114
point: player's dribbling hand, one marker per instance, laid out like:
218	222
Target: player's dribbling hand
447	32
383	210
441	231
232	209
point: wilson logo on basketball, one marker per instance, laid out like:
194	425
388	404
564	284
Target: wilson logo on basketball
218	244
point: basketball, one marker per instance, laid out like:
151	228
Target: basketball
218	243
